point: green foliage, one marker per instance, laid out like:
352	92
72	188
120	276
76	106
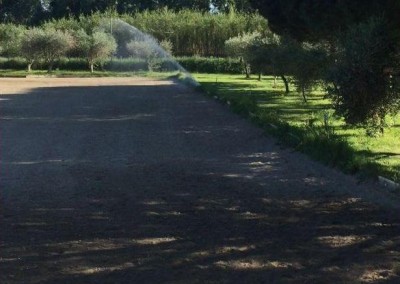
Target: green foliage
96	47
259	53
21	11
310	61
238	46
37	11
10	39
362	92
31	48
193	32
211	65
192	64
167	46
45	44
189	32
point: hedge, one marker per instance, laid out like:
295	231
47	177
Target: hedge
210	65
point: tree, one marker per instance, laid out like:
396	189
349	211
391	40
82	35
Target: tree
45	44
31	48
95	47
22	11
310	63
55	43
283	58
363	87
258	56
238	47
10	39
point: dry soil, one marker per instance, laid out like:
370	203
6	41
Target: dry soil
133	180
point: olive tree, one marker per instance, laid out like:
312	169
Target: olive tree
238	47
257	55
31	46
10	39
95	47
55	44
362	85
309	64
45	44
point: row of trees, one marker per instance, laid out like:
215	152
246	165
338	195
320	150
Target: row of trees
300	63
48	45
358	69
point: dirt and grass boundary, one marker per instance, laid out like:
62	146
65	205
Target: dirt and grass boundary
315	136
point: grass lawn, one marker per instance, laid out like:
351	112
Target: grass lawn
363	154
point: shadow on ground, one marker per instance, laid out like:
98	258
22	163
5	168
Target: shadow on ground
131	190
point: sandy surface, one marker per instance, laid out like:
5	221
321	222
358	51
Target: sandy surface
142	181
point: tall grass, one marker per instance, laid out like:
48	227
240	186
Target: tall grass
196	33
190	32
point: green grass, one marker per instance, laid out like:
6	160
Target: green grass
301	125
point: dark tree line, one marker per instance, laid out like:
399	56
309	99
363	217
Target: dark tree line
315	20
37	11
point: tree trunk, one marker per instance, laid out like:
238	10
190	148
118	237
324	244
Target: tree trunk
247	70
91	68
50	67
259	76
303	92
285	81
30	67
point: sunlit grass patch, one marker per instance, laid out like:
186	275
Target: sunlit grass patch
304	125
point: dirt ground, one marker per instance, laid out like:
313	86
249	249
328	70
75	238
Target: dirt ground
143	181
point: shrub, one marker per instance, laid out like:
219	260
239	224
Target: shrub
211	65
146	51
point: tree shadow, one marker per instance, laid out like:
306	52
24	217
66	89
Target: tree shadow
155	184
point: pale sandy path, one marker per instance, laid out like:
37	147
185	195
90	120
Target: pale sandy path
143	181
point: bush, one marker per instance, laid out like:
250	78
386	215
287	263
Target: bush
191	64
17	63
211	65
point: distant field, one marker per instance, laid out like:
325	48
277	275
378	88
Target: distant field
374	156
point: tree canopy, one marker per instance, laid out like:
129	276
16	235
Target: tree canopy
313	20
